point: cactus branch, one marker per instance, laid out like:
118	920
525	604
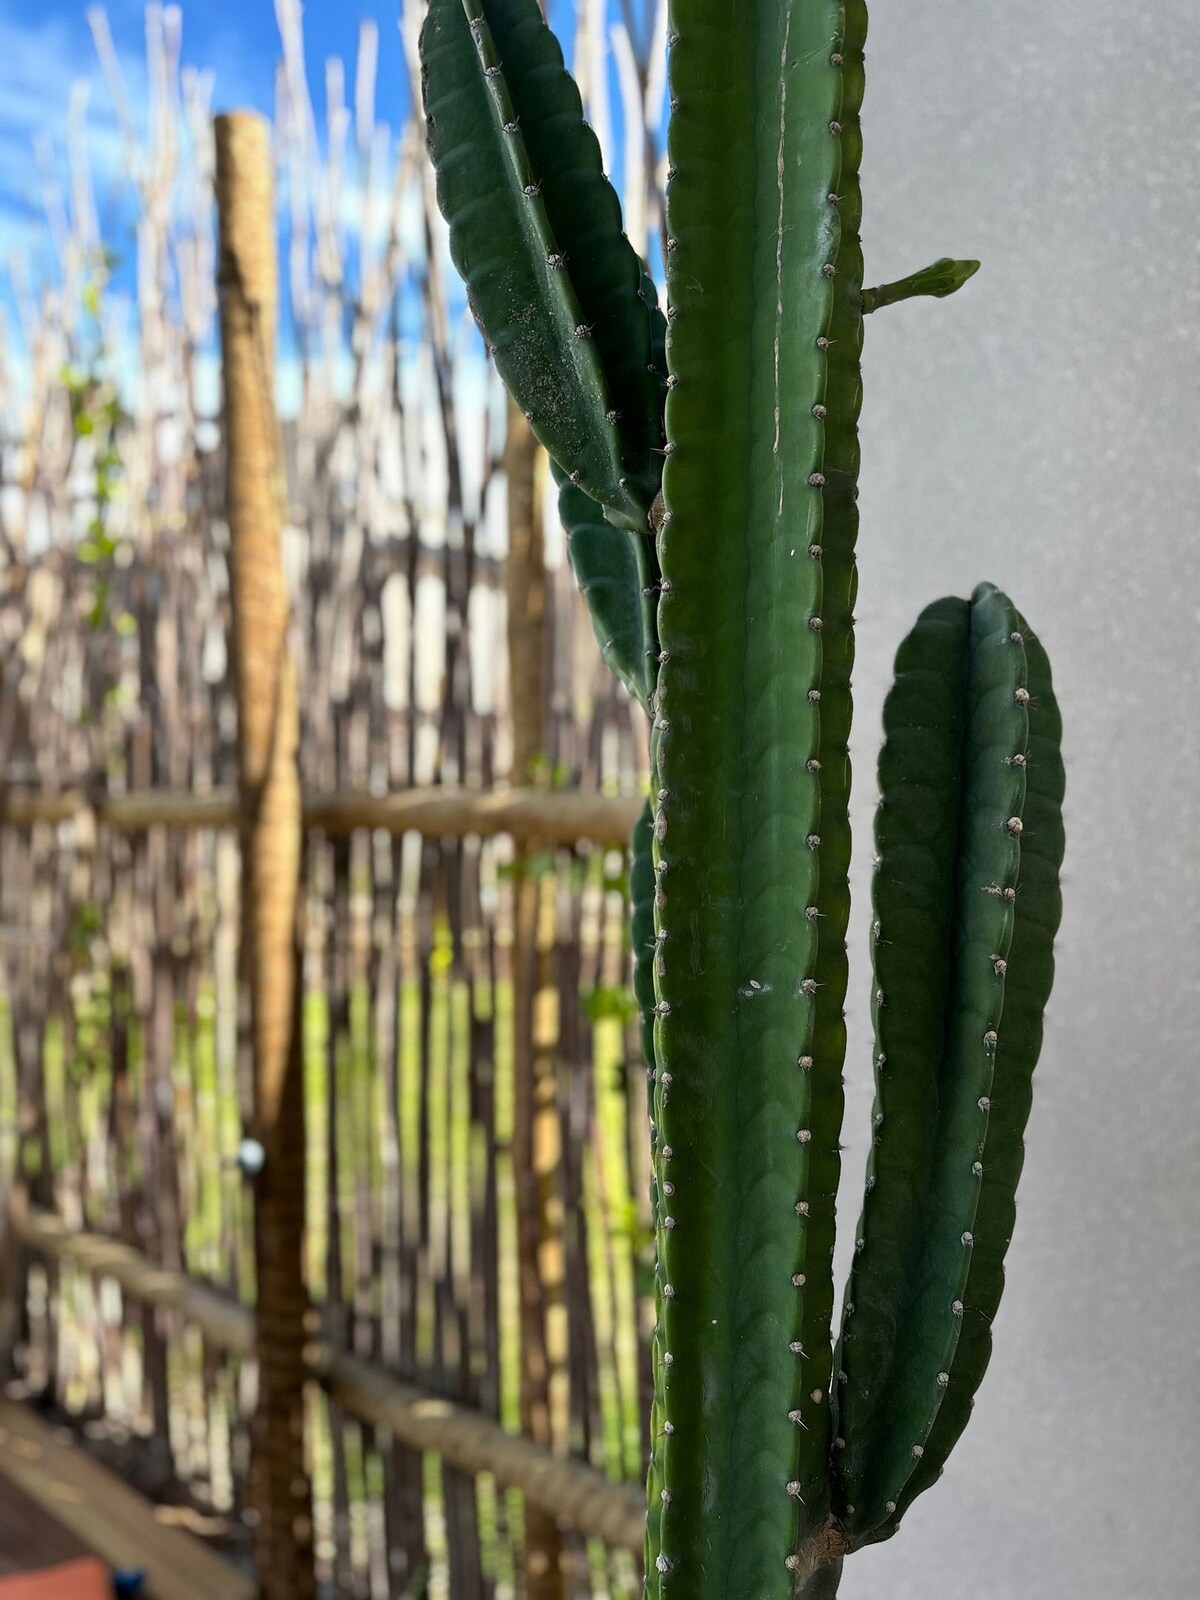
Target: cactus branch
535	230
942	278
1029	976
948	839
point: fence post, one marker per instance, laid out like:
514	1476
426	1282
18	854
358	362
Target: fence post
271	843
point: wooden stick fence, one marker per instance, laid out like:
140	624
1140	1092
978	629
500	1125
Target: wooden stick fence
126	1055
567	1491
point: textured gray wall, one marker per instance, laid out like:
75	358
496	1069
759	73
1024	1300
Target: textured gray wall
1040	430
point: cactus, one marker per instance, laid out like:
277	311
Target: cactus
707	465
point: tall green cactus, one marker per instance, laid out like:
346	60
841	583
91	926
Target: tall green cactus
709	494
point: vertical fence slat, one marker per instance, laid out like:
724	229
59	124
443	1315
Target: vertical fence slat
536	1134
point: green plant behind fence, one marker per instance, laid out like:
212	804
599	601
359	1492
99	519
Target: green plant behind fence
707	461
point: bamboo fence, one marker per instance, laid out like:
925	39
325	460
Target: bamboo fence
477	1245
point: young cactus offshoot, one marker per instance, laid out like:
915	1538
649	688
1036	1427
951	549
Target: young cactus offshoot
707	463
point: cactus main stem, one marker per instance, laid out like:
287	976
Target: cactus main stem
738	639
746	1128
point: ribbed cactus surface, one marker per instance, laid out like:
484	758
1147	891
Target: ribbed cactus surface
708	490
949	896
746	1116
963	949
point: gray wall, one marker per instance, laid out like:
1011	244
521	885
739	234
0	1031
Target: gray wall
1040	430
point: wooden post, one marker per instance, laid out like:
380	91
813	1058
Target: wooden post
271	844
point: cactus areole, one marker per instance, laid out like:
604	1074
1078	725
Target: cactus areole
707	461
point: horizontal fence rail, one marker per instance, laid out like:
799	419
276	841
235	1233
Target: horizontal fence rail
548	816
570	1491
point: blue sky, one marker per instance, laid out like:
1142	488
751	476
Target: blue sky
47	49
46	45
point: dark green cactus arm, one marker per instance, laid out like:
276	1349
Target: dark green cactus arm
1028	980
744	1236
611	568
617	571
606	273
952	776
940	279
535	230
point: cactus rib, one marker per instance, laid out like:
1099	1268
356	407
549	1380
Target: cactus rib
641	898
952	778
840	405
535	231
751	255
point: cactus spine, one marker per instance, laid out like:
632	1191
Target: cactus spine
711	516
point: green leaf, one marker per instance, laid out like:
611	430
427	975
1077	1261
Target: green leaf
98	611
604	1003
